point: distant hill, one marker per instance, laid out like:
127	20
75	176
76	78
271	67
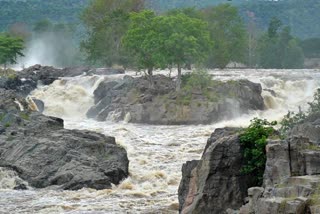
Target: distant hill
302	15
31	11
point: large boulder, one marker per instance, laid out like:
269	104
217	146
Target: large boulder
214	184
135	100
48	74
45	154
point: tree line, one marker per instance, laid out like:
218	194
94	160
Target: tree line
211	37
301	15
124	33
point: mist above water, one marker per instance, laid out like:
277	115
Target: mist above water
56	49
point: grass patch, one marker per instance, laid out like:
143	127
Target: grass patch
195	84
9	73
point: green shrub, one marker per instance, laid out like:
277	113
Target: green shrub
290	120
200	80
10	73
314	106
253	141
197	81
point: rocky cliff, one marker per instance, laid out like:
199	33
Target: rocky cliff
134	100
291	182
45	154
214	183
292	174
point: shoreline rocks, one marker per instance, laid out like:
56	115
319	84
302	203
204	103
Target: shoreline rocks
45	154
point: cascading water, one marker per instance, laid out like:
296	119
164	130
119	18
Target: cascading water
156	153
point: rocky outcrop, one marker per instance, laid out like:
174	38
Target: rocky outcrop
23	87
214	184
291	182
292	174
23	82
44	154
135	100
48	74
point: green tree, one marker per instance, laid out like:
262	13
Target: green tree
140	41
279	49
183	40
274	27
164	41
106	22
228	32
188	11
10	49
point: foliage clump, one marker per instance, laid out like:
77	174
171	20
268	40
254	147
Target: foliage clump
197	82
291	118
253	141
10	49
200	80
10	73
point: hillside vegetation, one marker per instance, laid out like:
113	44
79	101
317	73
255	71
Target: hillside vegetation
302	16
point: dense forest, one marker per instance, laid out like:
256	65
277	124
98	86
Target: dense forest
301	15
31	11
266	34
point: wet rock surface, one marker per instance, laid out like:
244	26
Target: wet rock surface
26	80
45	154
135	100
214	183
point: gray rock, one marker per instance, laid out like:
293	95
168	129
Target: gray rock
44	154
15	83
278	163
160	104
215	184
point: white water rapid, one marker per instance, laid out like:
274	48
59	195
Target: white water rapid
156	153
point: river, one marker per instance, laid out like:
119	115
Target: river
156	153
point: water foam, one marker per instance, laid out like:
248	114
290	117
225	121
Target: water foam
156	153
